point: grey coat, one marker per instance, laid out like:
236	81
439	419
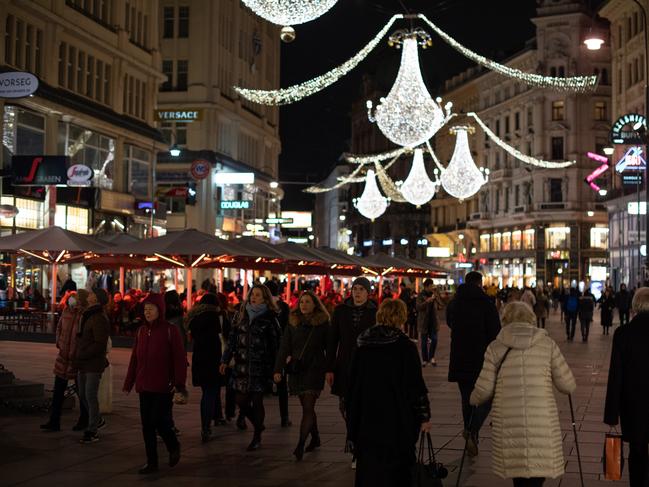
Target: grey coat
426	313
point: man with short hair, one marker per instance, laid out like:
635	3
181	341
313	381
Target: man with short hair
623	304
427	325
474	323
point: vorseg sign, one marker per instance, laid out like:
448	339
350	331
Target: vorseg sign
179	115
17	84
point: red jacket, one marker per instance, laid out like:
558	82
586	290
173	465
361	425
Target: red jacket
158	361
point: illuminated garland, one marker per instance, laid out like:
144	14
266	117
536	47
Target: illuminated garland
515	152
295	93
343	181
577	84
434	156
387	183
371	159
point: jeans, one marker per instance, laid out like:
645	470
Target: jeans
155	414
208	405
571	324
624	317
428	349
585	328
533	482
473	417
88	383
282	394
60	385
540	322
638	465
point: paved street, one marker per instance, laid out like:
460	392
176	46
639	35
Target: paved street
30	457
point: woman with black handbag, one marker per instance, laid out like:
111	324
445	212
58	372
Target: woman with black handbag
302	355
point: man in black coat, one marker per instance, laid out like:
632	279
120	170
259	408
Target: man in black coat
349	320
282	318
627	395
474	323
623	304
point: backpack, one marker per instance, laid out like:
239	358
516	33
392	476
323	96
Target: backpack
572	304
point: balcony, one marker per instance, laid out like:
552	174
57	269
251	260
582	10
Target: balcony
520	209
485	215
499	174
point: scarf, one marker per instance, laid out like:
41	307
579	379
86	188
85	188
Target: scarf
255	310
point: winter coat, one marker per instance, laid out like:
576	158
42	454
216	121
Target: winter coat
92	339
66	342
474	322
206	323
627	395
586	307
306	337
606	306
178	322
426	314
386	403
526	430
253	346
623	300
158	359
541	306
347	323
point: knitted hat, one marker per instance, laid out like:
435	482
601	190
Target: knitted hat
363	281
102	295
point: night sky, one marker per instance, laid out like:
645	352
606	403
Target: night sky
316	130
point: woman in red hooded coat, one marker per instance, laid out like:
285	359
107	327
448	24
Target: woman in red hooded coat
158	367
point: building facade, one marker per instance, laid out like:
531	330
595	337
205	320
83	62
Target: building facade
208	47
531	225
331	212
627	251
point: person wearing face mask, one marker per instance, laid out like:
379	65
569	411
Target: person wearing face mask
157	368
253	344
302	353
74	303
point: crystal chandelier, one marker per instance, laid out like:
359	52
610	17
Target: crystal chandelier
372	204
418	189
289	12
408	116
461	178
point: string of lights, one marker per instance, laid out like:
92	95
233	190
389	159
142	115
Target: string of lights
434	156
387	183
285	96
372	158
341	183
515	152
577	84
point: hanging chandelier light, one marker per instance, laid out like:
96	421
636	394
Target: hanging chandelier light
462	178
372	204
418	189
408	116
289	12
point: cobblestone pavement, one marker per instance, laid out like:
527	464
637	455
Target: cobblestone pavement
31	457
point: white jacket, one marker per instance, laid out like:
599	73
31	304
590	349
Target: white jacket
526	431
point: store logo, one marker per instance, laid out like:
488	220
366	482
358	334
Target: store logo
34	169
79	175
17	84
235	205
39	170
200	169
632	161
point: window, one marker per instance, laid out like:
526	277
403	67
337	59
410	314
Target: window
528	239
558	110
561	72
556	192
139	174
557	148
72	218
183	21
604	76
135	23
599	238
23	131
517	121
98	10
497	202
517	195
557	238
134	101
168	71
600	110
507	125
619	81
23	45
497	240
174	133
485	241
530	117
181	75
553	71
498	127
516	240
507	241
63	54
168	22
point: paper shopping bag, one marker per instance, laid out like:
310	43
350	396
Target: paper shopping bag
613	458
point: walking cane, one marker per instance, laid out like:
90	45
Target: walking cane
574	430
466	441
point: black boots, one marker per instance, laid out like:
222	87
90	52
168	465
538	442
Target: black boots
314	443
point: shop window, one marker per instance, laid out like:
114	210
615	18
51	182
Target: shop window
507	241
23	131
72	218
599	238
557	237
497	242
517	240
139	171
528	239
485	242
30	215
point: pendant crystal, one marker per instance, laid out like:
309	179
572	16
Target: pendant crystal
462	178
418	189
372	204
289	12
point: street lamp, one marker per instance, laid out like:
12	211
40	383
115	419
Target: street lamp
593	40
274	185
174	150
609	151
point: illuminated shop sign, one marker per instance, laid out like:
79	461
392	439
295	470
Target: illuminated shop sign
631	161
236	205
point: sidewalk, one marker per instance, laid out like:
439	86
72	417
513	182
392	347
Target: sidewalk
30	457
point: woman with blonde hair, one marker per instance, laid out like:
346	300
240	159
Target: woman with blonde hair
253	345
302	354
387	401
520	367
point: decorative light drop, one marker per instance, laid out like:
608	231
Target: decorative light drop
418	189
408	116
461	178
372	204
289	12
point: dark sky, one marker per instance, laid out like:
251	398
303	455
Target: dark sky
316	130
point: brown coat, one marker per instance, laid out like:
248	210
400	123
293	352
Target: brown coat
66	342
92	340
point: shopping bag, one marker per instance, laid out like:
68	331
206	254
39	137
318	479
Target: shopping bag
105	393
428	472
613	458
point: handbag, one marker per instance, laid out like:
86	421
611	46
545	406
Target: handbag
296	365
613	457
428	472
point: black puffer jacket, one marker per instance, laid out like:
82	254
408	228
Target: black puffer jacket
207	325
474	322
347	323
253	346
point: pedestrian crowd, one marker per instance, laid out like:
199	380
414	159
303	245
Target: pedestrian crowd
369	349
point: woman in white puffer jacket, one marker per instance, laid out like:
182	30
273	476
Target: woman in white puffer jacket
526	432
